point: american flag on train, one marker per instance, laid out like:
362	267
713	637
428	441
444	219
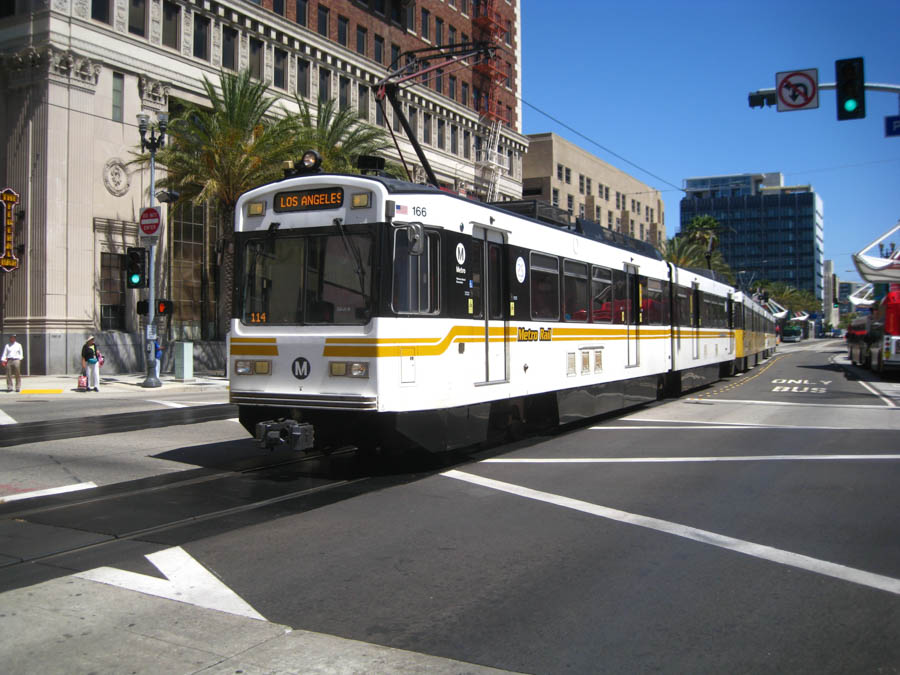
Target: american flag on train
401	209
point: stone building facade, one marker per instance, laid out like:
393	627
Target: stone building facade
74	74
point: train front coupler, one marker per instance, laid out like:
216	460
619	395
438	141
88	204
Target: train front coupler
295	435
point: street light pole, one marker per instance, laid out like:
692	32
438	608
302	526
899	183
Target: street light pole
152	144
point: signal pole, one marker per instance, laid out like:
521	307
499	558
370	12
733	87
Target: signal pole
152	144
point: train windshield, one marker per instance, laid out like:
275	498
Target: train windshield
310	279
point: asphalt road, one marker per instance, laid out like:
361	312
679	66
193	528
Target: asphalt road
748	527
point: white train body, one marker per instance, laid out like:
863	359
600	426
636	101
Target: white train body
340	323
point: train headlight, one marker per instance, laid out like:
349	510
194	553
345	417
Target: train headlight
361	200
245	367
348	368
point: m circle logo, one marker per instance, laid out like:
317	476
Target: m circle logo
300	368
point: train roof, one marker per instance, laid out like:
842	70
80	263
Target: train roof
532	209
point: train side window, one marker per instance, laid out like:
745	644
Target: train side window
575	291
682	306
601	295
621	312
544	287
653	303
416	284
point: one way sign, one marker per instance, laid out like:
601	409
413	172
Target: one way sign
892	125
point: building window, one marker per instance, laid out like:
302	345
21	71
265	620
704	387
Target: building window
379	114
454	139
100	11
278	7
343	30
324	84
452	38
379	6
555	197
379	49
201	37
137	17
323	20
112	291
581	183
301	9
193	274
439	81
118	97
423	29
303	78
568	175
559	172
171	36
438	31
452	92
465	93
344	93
256	58
441	132
361	39
362	101
229	48
280	73
395	56
570	204
467	144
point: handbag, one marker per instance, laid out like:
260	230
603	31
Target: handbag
100	358
82	381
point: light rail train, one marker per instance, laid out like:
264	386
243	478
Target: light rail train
370	311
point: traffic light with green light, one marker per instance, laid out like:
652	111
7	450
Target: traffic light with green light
851	88
136	267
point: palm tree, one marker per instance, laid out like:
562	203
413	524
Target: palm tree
339	136
217	153
687	253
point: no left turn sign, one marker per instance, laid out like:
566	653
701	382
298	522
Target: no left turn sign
797	89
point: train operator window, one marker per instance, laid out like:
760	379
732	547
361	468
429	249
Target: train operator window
575	291
416	286
544	287
602	296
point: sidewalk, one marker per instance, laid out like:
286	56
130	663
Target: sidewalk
113	384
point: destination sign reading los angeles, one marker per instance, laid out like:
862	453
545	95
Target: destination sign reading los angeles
309	200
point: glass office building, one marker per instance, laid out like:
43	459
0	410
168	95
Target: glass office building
767	230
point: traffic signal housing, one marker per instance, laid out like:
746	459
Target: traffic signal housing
850	82
136	267
143	307
164	307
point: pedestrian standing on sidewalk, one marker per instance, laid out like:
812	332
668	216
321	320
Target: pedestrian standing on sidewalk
12	360
90	361
158	353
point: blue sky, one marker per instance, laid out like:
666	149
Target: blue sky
664	84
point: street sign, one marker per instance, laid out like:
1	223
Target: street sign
892	125
150	220
797	89
151	332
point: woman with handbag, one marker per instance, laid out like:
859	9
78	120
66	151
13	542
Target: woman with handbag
90	360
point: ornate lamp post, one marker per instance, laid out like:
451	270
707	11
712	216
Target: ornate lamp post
154	142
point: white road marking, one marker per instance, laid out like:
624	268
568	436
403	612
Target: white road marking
187	581
761	551
6	419
811	404
685	424
873	390
48	491
674	460
171	404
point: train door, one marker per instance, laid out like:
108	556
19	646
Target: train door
695	320
490	265
633	303
729	322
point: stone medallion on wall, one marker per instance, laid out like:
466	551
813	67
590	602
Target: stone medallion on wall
116	177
